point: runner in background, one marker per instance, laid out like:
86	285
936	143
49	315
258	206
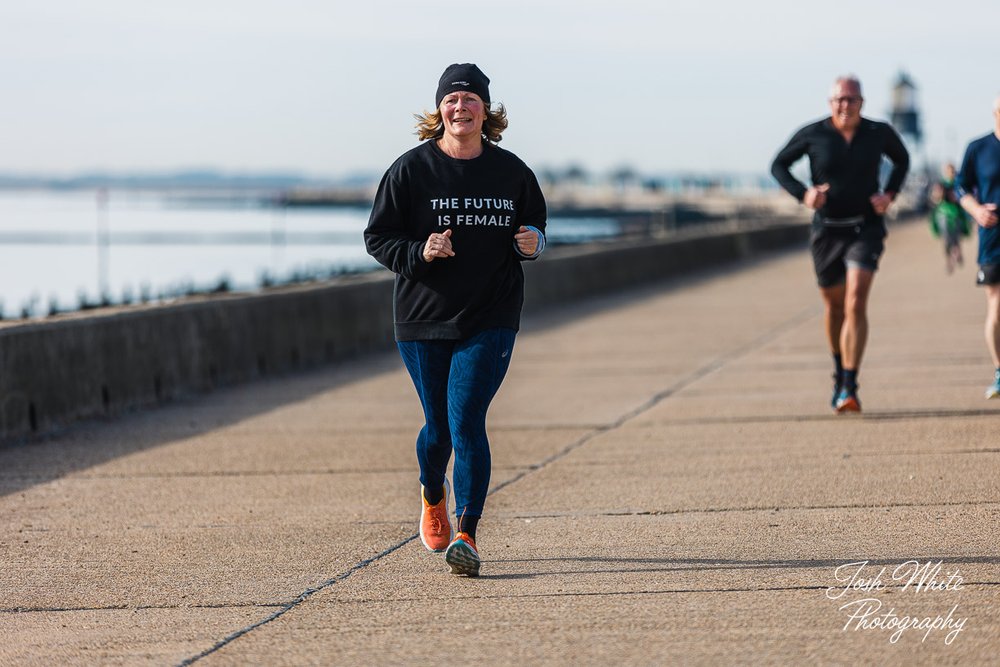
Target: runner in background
948	220
845	154
979	194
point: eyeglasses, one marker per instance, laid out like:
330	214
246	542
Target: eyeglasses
847	99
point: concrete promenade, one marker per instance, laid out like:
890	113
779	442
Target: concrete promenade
669	487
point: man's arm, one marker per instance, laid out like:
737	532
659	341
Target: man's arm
985	215
900	157
786	157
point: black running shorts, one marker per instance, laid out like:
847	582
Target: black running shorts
834	249
988	274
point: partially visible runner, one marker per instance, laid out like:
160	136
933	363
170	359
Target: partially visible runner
979	190
948	220
453	218
845	153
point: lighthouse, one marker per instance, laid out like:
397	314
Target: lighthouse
905	117
904	114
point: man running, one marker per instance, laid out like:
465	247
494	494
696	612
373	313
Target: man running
979	191
845	155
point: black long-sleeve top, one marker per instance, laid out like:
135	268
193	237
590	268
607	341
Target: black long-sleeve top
483	201
851	170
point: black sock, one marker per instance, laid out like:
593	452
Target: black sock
467	524
434	496
838	367
850	379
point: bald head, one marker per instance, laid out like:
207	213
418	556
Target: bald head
849	81
845	104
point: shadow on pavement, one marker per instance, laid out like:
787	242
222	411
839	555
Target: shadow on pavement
641	565
94	442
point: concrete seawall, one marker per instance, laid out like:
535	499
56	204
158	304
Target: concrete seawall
58	371
578	272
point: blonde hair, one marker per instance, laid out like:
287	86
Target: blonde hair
430	126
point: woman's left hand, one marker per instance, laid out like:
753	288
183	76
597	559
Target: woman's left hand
527	241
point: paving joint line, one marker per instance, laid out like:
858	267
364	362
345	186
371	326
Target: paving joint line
665	591
288	606
864	416
706	370
194	474
659	397
724	510
143	607
703	510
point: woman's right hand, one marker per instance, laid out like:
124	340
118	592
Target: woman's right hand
438	245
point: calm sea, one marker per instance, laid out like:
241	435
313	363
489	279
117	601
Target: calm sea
59	250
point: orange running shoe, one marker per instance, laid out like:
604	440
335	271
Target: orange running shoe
435	526
462	556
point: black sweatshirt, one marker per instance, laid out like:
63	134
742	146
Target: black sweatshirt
483	201
852	170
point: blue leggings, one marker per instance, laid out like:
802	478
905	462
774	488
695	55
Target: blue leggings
456	380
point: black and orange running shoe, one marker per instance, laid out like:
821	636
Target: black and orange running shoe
848	401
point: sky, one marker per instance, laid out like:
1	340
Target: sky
329	88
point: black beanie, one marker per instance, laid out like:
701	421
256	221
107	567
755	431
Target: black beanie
466	77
